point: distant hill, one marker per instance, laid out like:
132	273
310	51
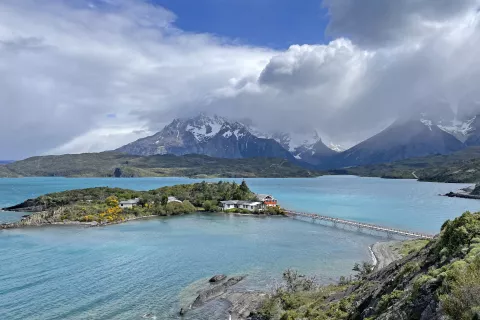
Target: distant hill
459	167
6	161
402	140
111	164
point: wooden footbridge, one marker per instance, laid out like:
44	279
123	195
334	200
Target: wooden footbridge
359	225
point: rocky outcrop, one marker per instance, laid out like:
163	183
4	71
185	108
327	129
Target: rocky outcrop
466	193
216	291
217	278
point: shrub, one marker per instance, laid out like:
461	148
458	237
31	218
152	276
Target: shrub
188	207
210	206
458	234
463	300
388	300
112	201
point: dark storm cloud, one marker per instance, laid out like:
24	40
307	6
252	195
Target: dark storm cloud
375	23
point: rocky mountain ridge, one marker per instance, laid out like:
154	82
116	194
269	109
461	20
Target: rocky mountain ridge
218	137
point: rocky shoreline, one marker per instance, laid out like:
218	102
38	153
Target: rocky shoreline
465	193
244	303
27	223
384	254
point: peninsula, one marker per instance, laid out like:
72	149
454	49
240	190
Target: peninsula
103	205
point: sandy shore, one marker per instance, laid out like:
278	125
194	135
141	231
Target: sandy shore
384	254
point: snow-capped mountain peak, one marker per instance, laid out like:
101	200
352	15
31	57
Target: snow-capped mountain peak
218	137
204	127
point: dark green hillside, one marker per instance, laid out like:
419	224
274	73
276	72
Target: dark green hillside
462	166
110	164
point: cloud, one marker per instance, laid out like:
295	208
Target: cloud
351	88
381	23
65	65
68	66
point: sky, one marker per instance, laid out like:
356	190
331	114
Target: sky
92	75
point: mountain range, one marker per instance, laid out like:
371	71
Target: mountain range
220	138
422	135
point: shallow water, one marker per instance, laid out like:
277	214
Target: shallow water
152	266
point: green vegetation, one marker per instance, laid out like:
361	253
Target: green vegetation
437	279
411	246
459	167
110	164
102	205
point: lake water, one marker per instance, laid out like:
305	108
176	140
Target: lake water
153	266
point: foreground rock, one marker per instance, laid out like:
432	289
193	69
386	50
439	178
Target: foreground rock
243	303
216	291
217	278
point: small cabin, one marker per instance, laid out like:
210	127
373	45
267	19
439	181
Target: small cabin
129	203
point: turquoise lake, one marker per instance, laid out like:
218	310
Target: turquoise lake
153	266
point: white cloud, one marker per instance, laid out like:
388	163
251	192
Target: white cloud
67	66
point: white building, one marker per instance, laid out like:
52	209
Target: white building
129	203
173	199
241	204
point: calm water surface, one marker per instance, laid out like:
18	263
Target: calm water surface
154	266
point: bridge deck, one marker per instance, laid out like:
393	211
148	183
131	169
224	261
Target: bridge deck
388	230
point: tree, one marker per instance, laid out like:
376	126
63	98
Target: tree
363	269
164	200
296	282
142	202
244	188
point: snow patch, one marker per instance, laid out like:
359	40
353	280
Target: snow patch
428	123
205	128
459	129
336	147
238	134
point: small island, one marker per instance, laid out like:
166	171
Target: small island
103	206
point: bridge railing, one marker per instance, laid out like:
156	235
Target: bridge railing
406	233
